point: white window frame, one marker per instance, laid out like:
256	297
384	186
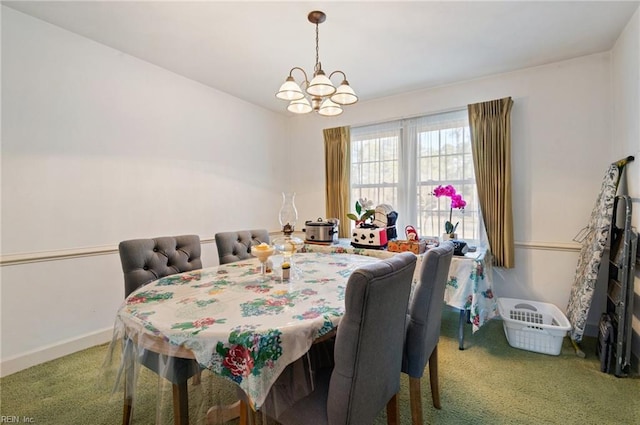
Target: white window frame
402	185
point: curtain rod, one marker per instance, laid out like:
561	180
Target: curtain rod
408	117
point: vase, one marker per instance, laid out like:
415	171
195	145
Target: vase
288	213
449	236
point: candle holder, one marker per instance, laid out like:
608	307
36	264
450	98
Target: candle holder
288	245
263	252
288	214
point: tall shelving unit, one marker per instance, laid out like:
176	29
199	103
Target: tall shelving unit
620	290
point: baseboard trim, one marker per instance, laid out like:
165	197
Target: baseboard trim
51	352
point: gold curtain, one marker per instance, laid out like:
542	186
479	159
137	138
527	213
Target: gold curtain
490	124
337	164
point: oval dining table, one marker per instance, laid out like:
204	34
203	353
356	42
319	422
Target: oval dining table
236	325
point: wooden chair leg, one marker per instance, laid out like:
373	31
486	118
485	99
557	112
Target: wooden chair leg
433	378
415	400
247	416
181	404
393	411
126	409
128	380
197	378
220	414
244	413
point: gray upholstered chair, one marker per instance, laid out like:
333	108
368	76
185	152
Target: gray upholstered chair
423	326
143	261
368	350
236	246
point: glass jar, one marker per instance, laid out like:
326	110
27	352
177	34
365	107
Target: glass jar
287	246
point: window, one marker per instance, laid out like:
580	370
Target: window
401	162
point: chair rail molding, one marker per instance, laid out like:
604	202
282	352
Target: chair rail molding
66	254
548	246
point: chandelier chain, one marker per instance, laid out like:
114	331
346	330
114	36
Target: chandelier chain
317	67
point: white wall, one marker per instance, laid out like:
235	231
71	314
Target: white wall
99	147
561	148
626	131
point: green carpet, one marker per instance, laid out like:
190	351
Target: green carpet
487	383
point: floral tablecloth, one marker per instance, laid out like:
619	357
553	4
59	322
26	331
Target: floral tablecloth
469	286
238	327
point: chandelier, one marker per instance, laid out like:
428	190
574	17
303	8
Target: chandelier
320	95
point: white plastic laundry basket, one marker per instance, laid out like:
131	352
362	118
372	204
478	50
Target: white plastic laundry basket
533	326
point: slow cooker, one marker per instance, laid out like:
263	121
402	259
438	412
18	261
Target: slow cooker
321	231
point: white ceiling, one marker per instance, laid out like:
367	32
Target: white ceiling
247	48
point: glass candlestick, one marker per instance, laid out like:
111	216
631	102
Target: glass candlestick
288	245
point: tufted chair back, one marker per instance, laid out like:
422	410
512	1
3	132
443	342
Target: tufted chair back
143	261
146	260
368	350
236	246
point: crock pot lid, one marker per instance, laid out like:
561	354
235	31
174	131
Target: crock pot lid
320	222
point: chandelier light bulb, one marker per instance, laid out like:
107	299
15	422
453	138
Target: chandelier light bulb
290	90
300	106
329	108
321	85
344	95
